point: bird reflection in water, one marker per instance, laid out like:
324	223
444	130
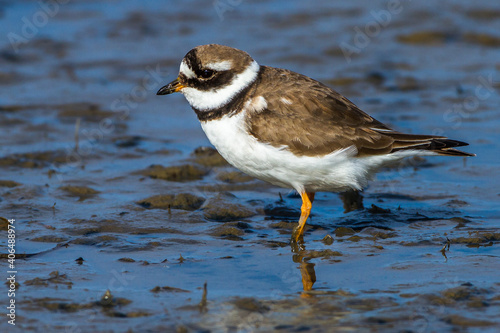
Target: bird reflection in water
352	200
302	257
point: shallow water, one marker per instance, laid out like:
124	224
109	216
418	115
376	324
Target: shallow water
136	208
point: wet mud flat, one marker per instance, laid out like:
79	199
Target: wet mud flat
127	220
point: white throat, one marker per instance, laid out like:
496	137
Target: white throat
216	98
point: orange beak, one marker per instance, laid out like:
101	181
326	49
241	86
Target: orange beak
172	87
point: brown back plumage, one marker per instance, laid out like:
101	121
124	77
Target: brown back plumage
316	120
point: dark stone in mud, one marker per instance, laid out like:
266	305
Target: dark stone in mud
370	304
233	177
10	56
136	314
49	239
280	210
323	254
437	37
168	289
391	196
466	294
16	284
83	192
376	78
54	278
456	203
13	108
107	303
85	111
107	299
29	192
231	230
478	238
457	320
126	260
35	160
8	183
178	173
230	233
54	304
184	201
327	240
378	210
459	293
251	305
407	83
354	238
482	39
94	240
91	227
224	213
275	244
209	157
377	233
283	225
220	208
460	220
343	231
127	141
425	37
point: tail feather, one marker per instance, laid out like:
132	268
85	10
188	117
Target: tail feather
453	152
438	144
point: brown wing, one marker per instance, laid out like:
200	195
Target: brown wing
316	120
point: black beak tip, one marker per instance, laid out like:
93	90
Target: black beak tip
163	91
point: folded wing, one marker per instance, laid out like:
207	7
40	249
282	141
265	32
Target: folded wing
316	120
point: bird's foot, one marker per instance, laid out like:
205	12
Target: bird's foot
297	240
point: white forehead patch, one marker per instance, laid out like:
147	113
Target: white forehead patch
186	70
220	66
220	96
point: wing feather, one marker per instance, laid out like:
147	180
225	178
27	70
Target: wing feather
316	120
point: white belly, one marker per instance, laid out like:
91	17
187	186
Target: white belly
335	172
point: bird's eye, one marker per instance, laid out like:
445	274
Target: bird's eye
206	73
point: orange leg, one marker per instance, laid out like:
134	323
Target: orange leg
307	200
